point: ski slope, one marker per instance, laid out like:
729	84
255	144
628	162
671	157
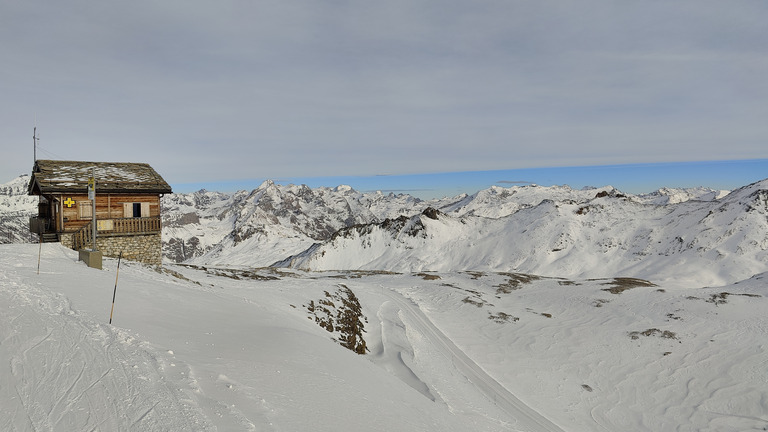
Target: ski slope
63	370
206	349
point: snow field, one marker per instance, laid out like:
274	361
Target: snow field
235	349
584	365
62	370
223	354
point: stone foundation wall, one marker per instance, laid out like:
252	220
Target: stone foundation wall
66	240
144	248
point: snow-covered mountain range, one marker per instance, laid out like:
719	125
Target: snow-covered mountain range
581	234
554	230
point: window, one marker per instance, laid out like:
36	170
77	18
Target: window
84	210
136	209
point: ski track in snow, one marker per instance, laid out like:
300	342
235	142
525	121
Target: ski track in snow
524	418
61	371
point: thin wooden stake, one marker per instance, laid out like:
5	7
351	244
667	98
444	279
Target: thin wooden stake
39	252
114	293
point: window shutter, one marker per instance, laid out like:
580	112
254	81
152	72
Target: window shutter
84	210
145	209
127	210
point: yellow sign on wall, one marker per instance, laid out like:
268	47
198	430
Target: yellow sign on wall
69	202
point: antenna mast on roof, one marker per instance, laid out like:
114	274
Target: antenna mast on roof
35	139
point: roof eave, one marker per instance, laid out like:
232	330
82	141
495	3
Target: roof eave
34	187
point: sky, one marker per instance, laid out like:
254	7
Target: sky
234	91
629	178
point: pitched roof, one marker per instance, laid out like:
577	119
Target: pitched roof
53	176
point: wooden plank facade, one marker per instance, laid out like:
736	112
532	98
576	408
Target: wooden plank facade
127	204
71	212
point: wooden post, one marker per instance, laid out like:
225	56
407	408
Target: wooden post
92	197
40	247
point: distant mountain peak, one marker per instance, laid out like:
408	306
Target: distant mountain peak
15	187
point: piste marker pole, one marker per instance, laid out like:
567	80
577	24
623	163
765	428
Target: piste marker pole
114	293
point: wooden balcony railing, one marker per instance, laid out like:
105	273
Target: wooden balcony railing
130	225
145	225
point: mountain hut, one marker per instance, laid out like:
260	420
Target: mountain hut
128	211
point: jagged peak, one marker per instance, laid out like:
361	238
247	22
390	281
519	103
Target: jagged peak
17	186
266	184
343	188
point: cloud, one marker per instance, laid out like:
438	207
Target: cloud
238	90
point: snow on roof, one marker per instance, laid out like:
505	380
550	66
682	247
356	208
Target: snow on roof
51	176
